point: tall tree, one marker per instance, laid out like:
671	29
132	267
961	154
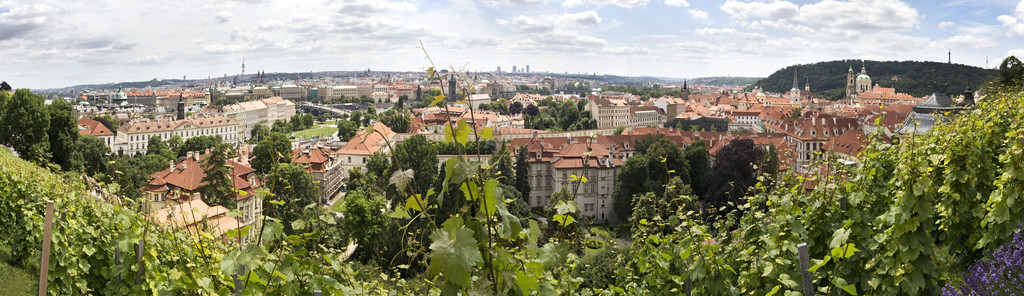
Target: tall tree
63	133
272	150
294	194
630	181
92	153
198	144
515	108
107	121
174	143
258	133
732	174
522	168
281	127
419	155
217	187
365	219
347	129
501	161
401	101
24	124
699	160
156	146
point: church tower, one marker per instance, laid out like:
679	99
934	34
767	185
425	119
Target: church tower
851	86
794	94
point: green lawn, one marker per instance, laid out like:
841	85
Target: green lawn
602	244
17	281
339	204
600	230
316	130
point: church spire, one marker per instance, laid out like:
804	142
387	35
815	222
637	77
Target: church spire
796	83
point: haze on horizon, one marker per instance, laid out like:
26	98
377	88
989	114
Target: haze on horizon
51	43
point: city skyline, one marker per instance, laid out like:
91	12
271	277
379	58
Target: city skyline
47	44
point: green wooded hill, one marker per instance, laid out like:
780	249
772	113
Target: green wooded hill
828	79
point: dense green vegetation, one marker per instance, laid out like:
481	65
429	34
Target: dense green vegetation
724	81
828	79
906	220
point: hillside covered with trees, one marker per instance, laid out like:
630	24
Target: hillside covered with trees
828	79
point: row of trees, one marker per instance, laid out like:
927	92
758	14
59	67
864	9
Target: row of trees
564	116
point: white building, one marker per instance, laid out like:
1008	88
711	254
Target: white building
134	136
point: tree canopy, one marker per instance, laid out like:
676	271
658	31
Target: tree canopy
272	150
24	126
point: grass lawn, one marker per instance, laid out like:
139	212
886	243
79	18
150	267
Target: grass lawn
338	205
594	251
17	281
316	130
600	230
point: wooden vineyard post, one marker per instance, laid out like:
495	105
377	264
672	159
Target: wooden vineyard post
44	266
805	263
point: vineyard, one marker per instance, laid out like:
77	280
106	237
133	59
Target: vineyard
908	220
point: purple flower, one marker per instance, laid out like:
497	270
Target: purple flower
1001	273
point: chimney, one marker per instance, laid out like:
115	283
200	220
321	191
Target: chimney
171	168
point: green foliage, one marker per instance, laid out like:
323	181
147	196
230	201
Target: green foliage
258	133
24	126
63	133
92	153
108	121
657	159
1011	72
417	154
347	129
293	195
700	164
828	79
365	220
522	168
155	146
732	175
197	144
280	126
217	187
563	116
275	148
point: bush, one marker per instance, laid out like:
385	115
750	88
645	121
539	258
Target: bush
1002	273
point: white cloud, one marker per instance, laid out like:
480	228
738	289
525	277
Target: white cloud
945	24
554	21
1019	53
620	3
861	15
773	10
223	17
850	14
25	20
970	41
1013	23
368	7
699	15
677	3
512	2
572	3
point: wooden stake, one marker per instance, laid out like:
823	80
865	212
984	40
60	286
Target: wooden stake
44	266
138	259
805	263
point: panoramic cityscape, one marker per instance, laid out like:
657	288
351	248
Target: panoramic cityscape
513	147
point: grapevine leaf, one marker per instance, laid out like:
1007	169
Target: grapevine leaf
489	201
839	238
453	252
462	132
437	99
449	135
820	263
488	133
563	220
849	288
526	283
774	290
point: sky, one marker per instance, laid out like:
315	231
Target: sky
59	43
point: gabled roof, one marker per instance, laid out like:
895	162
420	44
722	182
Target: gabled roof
368	141
90	127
